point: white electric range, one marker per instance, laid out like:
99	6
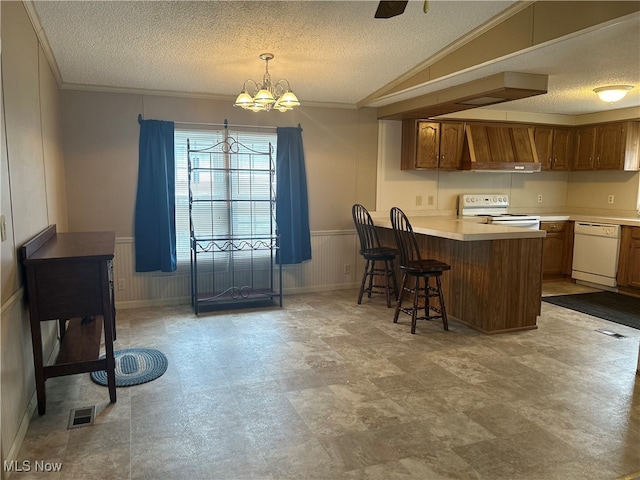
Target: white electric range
494	208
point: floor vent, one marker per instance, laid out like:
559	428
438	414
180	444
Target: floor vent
611	334
81	417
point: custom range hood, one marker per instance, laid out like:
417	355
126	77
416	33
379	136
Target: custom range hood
498	88
499	148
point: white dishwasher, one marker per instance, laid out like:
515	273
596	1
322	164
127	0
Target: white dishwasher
595	253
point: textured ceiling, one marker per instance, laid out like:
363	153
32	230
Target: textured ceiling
330	51
575	66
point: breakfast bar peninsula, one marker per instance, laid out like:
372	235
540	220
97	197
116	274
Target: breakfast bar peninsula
495	281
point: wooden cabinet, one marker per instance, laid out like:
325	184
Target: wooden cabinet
431	145
451	144
427	145
512	147
629	259
557	249
554	147
611	146
69	279
584	150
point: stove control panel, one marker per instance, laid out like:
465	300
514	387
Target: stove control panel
481	200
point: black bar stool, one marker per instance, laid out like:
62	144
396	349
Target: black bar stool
372	252
412	265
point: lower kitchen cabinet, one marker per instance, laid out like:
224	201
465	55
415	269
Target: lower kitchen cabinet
629	259
557	249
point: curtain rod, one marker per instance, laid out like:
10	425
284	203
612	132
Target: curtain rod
225	124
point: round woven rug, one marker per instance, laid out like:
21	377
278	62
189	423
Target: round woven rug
134	366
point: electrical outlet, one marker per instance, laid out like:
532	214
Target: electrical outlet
610	199
540	198
418	200
346	269
430	200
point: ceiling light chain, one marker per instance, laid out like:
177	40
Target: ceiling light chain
267	95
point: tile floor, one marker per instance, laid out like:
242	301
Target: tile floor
327	389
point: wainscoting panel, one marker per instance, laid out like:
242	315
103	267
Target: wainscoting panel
335	265
17	395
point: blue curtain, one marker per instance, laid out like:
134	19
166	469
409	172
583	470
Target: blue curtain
155	219
292	204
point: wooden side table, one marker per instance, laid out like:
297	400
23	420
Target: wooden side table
69	279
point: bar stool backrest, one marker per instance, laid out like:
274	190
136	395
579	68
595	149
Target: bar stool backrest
365	227
405	238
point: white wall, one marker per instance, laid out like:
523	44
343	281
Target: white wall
100	132
589	191
33	196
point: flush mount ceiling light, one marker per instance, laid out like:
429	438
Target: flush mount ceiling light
267	95
612	93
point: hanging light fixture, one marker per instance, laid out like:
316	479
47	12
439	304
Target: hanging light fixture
267	95
612	93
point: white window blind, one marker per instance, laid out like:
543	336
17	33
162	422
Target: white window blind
236	181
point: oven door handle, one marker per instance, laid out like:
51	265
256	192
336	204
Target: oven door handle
517	223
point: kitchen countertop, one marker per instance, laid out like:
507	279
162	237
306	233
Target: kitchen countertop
633	222
471	229
465	230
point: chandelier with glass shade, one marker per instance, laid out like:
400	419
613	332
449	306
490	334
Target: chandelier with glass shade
265	96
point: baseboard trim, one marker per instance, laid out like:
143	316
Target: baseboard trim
161	302
12	455
321	288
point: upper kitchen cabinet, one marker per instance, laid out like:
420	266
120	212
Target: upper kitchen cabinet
611	146
500	148
554	147
451	144
585	147
617	146
431	145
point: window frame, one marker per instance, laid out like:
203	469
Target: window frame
246	185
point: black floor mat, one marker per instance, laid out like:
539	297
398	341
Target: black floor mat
615	307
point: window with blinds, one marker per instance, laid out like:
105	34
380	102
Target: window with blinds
235	181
